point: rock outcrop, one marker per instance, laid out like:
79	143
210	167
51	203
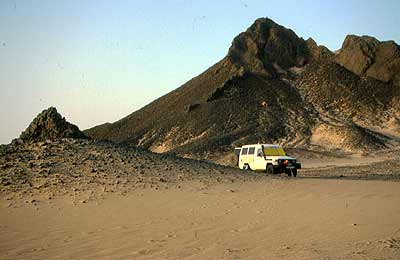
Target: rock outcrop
366	56
50	125
266	47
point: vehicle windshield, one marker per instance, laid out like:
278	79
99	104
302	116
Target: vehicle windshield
274	151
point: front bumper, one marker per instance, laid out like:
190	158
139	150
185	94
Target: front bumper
282	167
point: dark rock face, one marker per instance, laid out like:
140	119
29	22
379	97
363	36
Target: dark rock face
266	47
339	92
366	56
50	125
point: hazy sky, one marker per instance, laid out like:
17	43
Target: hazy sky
98	61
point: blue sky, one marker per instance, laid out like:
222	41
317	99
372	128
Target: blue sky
98	61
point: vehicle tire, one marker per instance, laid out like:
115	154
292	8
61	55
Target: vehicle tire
288	172
246	167
294	172
270	169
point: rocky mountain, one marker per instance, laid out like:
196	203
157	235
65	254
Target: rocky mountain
50	125
275	87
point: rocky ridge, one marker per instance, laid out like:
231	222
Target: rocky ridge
65	166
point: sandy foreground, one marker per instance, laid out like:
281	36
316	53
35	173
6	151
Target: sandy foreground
269	219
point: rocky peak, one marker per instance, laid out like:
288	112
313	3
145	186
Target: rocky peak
367	56
318	52
50	125
266	47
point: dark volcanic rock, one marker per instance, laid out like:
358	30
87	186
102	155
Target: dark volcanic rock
50	125
337	91
266	47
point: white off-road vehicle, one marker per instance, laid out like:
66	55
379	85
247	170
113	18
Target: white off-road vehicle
266	157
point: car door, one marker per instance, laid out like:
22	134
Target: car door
259	161
250	158
243	157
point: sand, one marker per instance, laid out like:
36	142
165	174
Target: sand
269	219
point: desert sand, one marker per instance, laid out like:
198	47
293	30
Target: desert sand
276	218
163	182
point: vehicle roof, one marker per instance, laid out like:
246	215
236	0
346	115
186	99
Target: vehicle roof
265	145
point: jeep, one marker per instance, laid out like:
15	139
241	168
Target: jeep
267	157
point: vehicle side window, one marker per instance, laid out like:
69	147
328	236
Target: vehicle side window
259	152
251	150
244	151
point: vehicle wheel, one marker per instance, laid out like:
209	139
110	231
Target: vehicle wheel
270	169
288	172
294	172
246	167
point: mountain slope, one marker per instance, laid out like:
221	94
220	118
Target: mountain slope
273	87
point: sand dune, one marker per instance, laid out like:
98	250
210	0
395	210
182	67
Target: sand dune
270	219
